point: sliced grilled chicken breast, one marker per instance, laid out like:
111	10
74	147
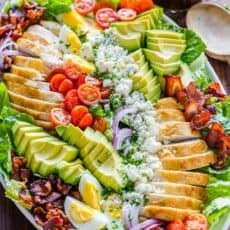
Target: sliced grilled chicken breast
29	47
9	77
36	114
35	37
54	27
163	115
177	131
184	148
26	72
44	124
180	189
189	162
168	103
35	104
43	32
181	177
29	62
166	200
35	93
166	213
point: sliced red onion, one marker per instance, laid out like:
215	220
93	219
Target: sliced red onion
127	149
130	214
148	224
121	113
120	137
6	43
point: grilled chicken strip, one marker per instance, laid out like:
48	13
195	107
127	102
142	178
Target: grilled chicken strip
9	77
182	202
166	213
163	115
44	124
35	93
168	103
180	189
181	177
29	62
189	162
172	131
184	148
28	73
36	114
35	104
35	37
52	26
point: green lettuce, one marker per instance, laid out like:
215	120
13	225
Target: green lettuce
96	110
223	107
4	96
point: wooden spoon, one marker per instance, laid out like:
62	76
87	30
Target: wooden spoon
212	23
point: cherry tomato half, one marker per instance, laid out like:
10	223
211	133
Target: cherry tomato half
73	71
99	124
59	116
54	72
86	121
126	14
196	222
106	16
93	81
89	94
65	86
71	100
80	81
56	80
175	225
84	6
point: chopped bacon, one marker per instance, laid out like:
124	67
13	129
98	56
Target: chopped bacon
25	175
76	195
224	142
192	108
211	109
214	88
52	223
17	164
201	120
173	85
63	188
221	160
195	94
213	134
41	188
181	97
4	29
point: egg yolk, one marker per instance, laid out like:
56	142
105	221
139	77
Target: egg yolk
80	214
74	42
91	195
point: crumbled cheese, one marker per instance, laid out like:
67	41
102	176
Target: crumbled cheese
124	87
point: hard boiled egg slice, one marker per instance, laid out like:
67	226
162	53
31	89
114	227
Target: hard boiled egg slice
69	41
82	216
90	190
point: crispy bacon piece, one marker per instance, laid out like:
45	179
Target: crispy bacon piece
181	97
213	135
4	29
56	204
64	189
173	85
76	195
41	188
214	88
17	164
191	108
221	161
224	142
211	109
52	223
194	93
201	120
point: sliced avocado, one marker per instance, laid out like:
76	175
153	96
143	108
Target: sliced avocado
130	41
164	34
70	172
19	134
19	124
163	70
141	61
152	90
149	18
97	149
61	129
27	137
166	48
175	64
136	55
156	95
141	82
161	57
166	40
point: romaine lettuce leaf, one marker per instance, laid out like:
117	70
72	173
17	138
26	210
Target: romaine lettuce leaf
4	96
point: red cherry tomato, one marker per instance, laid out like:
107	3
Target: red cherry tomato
196	222
86	121
65	86
105	92
71	100
54	72
59	116
175	225
73	71
99	124
106	16
126	14
89	94
84	6
93	81
80	81
56	80
78	113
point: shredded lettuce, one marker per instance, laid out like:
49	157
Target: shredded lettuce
13	188
96	110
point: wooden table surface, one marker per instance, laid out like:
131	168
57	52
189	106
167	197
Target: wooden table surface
12	219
